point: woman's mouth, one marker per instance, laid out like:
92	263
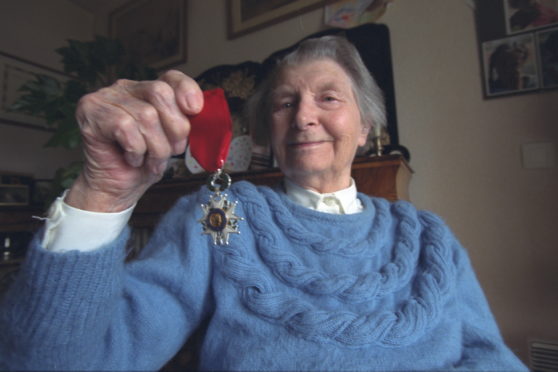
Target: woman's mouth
307	144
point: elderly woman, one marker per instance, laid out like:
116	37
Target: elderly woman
320	278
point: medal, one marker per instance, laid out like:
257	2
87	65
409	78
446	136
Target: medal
210	138
218	218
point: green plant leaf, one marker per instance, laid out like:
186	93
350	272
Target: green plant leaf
67	135
74	90
65	176
94	64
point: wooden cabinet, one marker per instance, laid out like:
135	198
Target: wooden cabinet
16	219
385	176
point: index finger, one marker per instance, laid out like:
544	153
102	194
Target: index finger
188	93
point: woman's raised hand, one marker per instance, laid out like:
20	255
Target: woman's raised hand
129	132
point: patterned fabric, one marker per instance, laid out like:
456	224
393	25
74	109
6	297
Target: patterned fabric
405	325
389	288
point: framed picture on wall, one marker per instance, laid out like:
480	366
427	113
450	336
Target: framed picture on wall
14	73
510	65
517	45
547	45
250	15
153	32
522	15
12	195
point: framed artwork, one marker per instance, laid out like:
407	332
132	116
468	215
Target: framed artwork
547	45
14	72
523	15
510	65
153	32
352	13
518	45
250	15
12	195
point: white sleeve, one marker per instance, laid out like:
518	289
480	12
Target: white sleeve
68	228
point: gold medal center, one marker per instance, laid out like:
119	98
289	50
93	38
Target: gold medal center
216	220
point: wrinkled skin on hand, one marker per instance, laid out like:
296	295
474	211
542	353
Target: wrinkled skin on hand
129	131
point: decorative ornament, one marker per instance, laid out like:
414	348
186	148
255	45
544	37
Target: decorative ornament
219	219
210	139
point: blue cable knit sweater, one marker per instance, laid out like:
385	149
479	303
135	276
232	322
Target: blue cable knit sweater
386	289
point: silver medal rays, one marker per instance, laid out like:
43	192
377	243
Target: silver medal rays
218	218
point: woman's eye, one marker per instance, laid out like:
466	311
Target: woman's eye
283	105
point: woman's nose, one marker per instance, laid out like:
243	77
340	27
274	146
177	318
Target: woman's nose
306	115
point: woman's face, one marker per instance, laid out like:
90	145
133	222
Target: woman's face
316	125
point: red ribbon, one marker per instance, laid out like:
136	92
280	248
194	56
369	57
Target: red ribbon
211	131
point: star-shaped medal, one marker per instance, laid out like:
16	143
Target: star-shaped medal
219	219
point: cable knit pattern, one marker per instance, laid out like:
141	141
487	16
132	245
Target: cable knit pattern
387	289
349	288
390	328
344	246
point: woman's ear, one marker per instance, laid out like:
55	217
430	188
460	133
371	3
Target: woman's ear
363	135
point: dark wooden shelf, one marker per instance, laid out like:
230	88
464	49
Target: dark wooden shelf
19	219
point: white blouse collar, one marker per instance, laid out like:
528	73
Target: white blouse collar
344	201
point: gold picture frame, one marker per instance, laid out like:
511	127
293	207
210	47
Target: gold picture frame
246	16
152	32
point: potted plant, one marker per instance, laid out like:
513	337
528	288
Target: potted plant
91	65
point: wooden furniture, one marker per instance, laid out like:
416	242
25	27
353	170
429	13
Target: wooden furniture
16	230
19	219
385	176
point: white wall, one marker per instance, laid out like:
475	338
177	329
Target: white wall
465	149
467	158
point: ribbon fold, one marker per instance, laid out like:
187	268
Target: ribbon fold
211	131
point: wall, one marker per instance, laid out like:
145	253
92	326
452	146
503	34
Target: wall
467	159
33	30
465	150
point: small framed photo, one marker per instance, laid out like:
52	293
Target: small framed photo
510	65
547	45
14	195
352	13
526	15
153	32
250	15
14	73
